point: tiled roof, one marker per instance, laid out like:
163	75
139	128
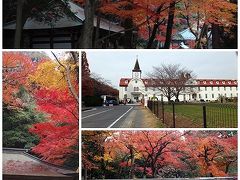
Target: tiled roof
19	162
216	82
198	82
66	21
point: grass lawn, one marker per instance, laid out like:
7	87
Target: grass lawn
221	116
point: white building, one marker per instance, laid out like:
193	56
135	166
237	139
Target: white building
137	89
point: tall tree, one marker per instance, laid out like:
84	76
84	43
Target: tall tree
170	24
200	15
170	79
59	134
87	84
158	154
86	39
16	69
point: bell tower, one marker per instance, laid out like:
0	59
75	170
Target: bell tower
136	72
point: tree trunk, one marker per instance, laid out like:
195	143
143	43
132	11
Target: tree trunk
86	39
96	37
170	25
202	33
155	27
19	25
103	170
153	170
131	173
128	38
215	37
153	35
169	99
85	173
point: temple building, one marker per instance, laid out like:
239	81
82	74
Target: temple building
19	164
61	33
137	89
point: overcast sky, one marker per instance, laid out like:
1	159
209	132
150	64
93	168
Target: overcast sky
113	65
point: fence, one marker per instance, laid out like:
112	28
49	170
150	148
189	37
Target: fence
198	115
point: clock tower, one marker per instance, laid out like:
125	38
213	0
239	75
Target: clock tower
136	72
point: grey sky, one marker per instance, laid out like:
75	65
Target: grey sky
113	65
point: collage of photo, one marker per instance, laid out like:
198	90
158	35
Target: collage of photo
156	96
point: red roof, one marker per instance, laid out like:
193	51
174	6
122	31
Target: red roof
216	82
200	82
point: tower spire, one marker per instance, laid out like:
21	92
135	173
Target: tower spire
137	67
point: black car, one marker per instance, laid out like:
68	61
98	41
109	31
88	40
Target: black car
111	102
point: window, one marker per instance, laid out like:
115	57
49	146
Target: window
153	89
136	88
218	88
199	96
205	88
212	88
224	88
230	88
136	81
198	88
212	95
231	95
205	95
125	88
146	89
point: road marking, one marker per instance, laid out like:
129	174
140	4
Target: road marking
90	110
119	118
96	114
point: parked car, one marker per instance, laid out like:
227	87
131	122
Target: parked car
111	103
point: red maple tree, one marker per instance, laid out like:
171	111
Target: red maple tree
58	135
16	69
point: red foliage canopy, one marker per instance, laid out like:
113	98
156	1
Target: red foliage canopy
16	69
59	135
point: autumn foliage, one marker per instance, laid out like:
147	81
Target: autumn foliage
165	154
52	87
59	135
57	86
16	69
93	86
153	19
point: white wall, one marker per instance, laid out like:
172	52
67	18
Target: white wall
208	93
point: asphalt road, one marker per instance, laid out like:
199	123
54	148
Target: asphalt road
117	117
